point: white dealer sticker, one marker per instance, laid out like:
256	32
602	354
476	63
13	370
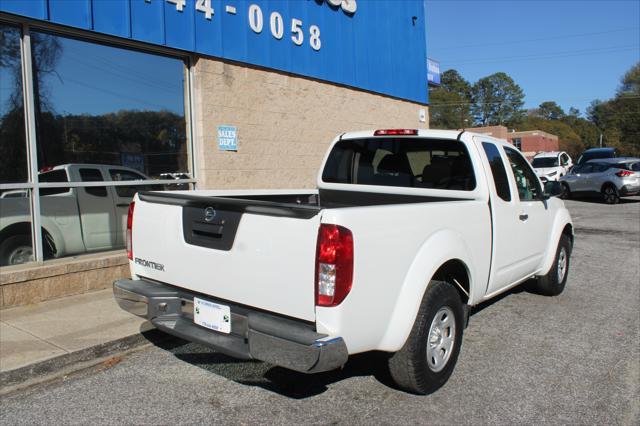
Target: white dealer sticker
212	315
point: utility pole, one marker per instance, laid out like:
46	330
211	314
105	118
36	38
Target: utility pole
600	140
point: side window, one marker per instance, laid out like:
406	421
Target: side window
635	167
564	159
526	181
93	175
586	168
53	176
119	175
497	170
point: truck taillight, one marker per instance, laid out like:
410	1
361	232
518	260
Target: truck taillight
334	265
624	173
132	205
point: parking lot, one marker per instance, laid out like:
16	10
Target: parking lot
525	359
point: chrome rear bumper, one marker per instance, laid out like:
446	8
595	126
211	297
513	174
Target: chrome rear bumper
254	335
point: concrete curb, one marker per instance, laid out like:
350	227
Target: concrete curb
41	371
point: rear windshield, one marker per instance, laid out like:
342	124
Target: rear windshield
541	162
405	162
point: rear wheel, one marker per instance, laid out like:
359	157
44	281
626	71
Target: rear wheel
610	194
429	355
553	283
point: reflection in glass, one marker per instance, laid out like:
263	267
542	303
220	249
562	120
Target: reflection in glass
98	104
15	227
13	150
88	219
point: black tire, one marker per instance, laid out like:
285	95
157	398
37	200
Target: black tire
553	283
410	367
610	194
11	247
566	192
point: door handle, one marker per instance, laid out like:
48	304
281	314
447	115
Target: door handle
122	205
523	217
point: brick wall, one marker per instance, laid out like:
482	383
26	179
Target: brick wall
285	124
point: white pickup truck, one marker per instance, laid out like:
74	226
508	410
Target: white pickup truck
408	229
74	220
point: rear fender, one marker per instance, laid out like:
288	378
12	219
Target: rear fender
440	247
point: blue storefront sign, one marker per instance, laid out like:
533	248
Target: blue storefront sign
369	44
433	72
227	138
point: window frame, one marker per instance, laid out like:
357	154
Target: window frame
536	181
486	144
33	185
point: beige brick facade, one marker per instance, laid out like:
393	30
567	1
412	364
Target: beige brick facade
285	124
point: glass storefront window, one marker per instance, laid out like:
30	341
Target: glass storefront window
13	149
104	115
97	104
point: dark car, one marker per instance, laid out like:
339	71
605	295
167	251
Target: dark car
596	153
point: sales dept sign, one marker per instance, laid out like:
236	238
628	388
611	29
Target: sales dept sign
227	138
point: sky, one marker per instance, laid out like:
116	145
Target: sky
571	52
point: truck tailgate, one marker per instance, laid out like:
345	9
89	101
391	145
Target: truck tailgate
247	254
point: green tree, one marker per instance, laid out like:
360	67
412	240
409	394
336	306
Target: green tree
550	110
497	100
450	103
619	118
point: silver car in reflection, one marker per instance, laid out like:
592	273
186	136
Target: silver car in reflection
609	178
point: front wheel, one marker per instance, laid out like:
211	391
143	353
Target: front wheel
566	192
429	355
15	250
552	284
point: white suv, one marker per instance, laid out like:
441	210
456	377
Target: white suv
551	166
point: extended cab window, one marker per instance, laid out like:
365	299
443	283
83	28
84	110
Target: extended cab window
53	176
119	175
498	171
93	175
526	181
405	162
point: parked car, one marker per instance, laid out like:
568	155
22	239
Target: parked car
551	165
176	186
609	178
595	153
408	230
74	220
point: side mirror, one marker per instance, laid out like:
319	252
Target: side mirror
552	189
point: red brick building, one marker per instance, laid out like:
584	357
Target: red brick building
528	142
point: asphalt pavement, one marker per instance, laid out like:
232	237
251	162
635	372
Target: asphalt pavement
525	359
